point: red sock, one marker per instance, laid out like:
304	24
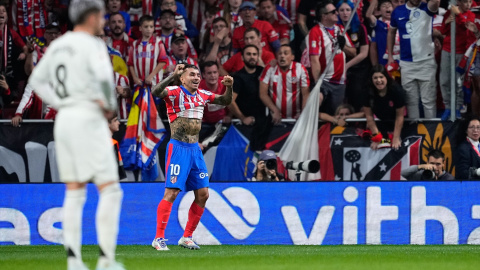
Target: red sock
194	215
163	213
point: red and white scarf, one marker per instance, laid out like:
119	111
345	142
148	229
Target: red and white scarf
31	17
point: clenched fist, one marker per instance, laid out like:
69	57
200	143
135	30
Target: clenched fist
227	81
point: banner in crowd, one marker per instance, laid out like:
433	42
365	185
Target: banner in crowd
27	153
285	213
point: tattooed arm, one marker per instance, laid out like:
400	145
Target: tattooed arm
226	98
160	89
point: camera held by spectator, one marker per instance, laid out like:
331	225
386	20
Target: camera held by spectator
267	167
433	170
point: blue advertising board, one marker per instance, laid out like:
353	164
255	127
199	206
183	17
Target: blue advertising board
300	213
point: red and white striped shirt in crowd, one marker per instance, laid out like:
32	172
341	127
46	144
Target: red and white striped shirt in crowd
173	61
196	11
167	42
181	103
37	53
122	45
34	106
124	104
285	87
144	56
291	6
321	42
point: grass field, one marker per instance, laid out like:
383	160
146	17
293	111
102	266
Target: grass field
255	257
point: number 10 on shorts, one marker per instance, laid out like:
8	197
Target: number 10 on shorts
174	169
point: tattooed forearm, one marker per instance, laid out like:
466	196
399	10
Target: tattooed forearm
224	99
160	89
186	129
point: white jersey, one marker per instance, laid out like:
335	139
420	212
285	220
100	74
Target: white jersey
75	70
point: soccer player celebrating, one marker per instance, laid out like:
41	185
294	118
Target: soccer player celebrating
186	169
75	76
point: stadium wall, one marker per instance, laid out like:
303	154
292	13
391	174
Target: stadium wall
306	213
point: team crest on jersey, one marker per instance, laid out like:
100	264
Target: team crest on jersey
416	14
354	37
173	179
314	44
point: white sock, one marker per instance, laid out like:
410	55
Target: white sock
72	223
107	219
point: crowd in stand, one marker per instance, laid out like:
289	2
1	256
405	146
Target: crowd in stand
393	60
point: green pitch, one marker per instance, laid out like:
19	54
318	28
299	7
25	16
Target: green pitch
255	257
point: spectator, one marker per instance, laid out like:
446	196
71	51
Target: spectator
169	28
322	41
279	21
206	28
114	126
463	39
306	20
246	104
220	50
357	67
31	105
183	24
378	47
468	151
35	52
252	36
230	12
417	57
114	7
179	53
290	7
213	113
267	168
284	87
147	56
4	93
29	18
436	164
118	39
14	52
248	11
196	10
387	102
343	112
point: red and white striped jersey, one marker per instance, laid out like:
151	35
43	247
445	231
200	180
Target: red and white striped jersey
172	61
144	56
121	45
291	6
196	11
181	103
321	43
285	87
123	103
282	25
167	42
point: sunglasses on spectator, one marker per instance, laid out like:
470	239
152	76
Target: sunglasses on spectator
331	12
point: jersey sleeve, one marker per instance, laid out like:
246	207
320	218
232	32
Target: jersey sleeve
393	19
304	79
271	33
266	73
162	54
130	56
314	41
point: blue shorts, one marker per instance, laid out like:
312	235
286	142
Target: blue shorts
185	166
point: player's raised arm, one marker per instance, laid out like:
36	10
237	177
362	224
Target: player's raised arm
160	89
226	98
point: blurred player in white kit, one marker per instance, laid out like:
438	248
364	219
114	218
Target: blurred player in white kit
75	76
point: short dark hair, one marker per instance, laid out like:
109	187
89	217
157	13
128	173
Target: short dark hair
252	29
250	46
435	153
115	14
207	64
185	66
114	115
145	18
219	19
261	1
288	46
320	9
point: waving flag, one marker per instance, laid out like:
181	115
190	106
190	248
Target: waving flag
145	131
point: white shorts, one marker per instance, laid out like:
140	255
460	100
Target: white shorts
83	145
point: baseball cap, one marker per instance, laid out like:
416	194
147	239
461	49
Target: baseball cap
177	36
53	25
78	7
267	155
247	4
